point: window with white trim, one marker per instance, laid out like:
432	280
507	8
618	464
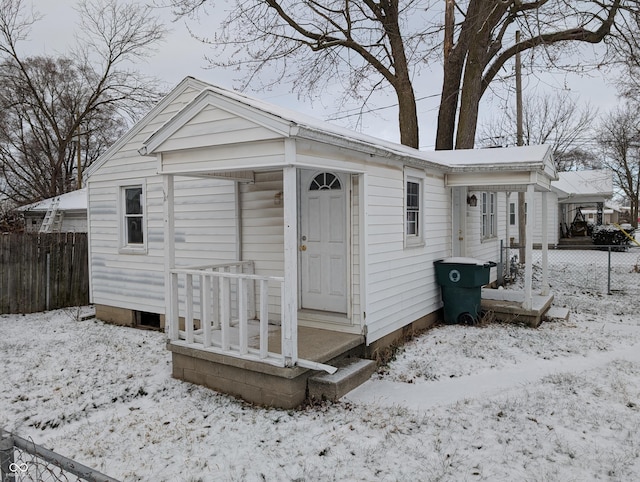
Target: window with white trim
489	209
132	212
414	210
512	214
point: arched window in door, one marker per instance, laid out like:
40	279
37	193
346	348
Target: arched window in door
325	181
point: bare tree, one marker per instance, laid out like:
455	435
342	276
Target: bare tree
619	136
485	43
52	106
556	120
363	44
369	43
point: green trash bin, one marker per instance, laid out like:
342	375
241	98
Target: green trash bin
461	281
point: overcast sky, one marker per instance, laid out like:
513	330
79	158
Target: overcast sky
181	55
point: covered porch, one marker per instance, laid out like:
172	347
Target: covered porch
525	170
257	332
303	275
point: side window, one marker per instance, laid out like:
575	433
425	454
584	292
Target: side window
489	210
414	211
132	212
512	214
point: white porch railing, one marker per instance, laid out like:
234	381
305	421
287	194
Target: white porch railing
218	305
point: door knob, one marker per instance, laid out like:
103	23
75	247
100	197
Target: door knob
303	248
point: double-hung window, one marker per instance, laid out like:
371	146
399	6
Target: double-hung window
132	212
414	210
489	209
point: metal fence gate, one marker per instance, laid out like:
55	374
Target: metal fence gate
22	461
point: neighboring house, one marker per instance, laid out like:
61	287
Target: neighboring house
610	214
219	207
573	190
68	213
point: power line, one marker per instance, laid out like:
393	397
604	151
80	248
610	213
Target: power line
359	111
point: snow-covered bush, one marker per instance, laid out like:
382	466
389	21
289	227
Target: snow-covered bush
609	235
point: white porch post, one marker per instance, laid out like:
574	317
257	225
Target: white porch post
290	295
364	246
170	280
507	230
528	266
545	245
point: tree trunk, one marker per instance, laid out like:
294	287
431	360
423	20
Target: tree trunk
407	111
449	101
470	100
408	116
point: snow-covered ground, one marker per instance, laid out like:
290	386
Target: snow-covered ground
495	402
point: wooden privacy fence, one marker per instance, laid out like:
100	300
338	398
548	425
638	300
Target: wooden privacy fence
43	271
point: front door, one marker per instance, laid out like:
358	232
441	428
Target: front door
323	241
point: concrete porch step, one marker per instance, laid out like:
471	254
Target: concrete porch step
557	314
351	373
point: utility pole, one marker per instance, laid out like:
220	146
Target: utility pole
79	161
448	27
522	232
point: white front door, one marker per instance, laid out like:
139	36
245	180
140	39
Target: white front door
323	241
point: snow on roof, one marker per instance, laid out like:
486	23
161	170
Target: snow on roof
297	124
71	201
494	156
302	125
597	182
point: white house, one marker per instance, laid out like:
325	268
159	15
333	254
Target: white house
68	213
294	241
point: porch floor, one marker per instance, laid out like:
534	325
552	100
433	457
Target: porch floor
318	345
314	344
506	305
258	382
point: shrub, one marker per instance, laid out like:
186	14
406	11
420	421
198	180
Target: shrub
611	236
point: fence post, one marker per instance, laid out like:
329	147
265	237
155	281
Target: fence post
48	287
6	457
609	272
501	264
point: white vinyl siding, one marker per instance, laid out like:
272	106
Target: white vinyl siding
401	282
205	223
263	230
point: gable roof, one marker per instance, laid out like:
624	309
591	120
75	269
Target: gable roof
284	122
185	84
277	121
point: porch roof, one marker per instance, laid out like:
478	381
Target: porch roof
283	123
576	187
500	169
505	168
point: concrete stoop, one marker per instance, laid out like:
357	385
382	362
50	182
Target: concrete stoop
351	373
556	313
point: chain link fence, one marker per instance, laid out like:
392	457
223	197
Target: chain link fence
23	461
609	274
607	270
